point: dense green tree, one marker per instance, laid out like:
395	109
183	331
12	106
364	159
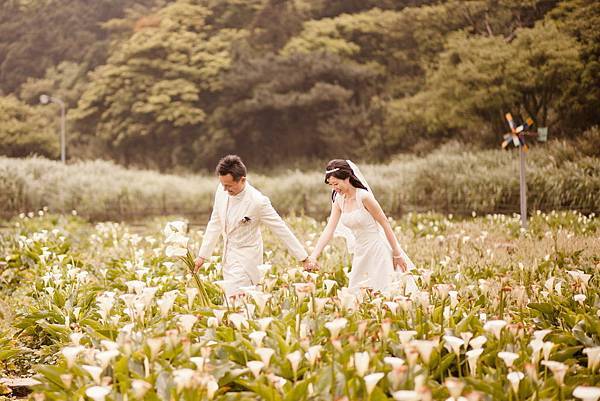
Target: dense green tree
232	14
24	130
403	44
332	8
479	79
581	19
285	107
274	24
66	81
382	40
179	82
38	35
148	102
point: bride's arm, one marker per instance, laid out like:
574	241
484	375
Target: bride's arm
327	233
375	210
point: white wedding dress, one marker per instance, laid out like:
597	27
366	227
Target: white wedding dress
372	262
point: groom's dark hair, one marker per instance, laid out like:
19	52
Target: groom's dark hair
232	164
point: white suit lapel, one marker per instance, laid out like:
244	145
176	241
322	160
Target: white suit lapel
242	211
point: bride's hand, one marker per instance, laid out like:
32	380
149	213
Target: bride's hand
310	265
400	263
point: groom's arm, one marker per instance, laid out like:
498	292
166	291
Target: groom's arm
271	219
212	233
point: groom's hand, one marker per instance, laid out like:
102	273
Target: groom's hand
198	264
310	265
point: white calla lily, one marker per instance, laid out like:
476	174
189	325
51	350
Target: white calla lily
186	322
94	371
372	380
265	355
336	326
406	395
98	393
257	337
477	342
508	357
495	327
515	378
425	348
173	251
329	284
586	393
593	354
140	388
472	358
394	362
295	358
183	378
361	362
264	323
313	354
70	354
558	369
453	343
238	320
255	367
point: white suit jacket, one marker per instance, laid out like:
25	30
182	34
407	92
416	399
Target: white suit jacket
243	245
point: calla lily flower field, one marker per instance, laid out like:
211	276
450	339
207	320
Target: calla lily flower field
112	312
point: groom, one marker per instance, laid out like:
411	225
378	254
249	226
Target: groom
238	210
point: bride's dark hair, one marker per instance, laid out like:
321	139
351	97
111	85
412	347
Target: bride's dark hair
340	169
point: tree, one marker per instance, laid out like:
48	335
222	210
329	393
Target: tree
377	39
66	81
481	78
150	100
36	36
232	14
24	131
290	107
274	24
544	64
580	19
400	45
332	8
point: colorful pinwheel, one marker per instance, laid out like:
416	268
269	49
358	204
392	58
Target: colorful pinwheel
517	134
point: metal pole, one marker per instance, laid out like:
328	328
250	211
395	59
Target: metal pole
523	188
45	99
63	145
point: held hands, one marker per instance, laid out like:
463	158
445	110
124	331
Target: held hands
399	263
198	264
310	265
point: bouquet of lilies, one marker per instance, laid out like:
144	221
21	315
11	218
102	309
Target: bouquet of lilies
177	246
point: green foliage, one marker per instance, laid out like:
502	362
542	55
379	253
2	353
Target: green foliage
94	311
580	19
452	179
38	35
397	44
66	81
176	83
589	142
25	131
479	79
285	106
103	187
151	96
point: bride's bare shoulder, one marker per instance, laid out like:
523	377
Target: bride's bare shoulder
364	194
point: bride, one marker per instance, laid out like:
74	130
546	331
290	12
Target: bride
369	236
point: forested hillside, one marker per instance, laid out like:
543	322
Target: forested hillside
175	84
